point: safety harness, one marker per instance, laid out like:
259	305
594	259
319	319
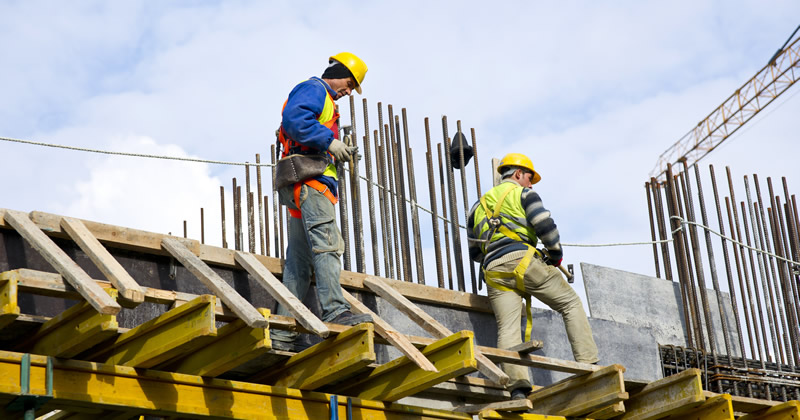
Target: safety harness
497	225
330	119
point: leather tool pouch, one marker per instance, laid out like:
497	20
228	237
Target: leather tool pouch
295	168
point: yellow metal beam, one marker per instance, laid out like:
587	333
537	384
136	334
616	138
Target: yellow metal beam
715	408
495	415
453	356
331	360
786	411
73	331
9	309
581	395
165	337
96	386
234	345
666	396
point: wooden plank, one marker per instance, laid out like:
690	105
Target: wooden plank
234	345
215	283
453	356
789	410
429	324
385	330
581	395
500	415
471	388
528	346
275	288
108	265
73	331
334	359
667	396
511	405
163	338
9	308
93	294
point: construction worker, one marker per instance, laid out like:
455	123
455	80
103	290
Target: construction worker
504	227
309	138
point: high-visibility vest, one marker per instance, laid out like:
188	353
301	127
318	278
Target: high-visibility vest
501	215
329	117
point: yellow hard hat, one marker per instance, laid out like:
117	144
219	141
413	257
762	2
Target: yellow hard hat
518	159
355	65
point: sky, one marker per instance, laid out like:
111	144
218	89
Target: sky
593	92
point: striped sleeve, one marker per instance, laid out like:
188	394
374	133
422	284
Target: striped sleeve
474	246
544	226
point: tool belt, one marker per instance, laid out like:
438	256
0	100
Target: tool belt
296	168
519	275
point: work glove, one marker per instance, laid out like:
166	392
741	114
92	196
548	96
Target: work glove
553	257
341	151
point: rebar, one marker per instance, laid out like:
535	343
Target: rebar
355	193
202	227
412	191
385	230
477	183
466	199
434	216
277	211
251	233
222	215
391	195
400	194
236	219
345	224
652	228
453	209
677	243
444	214
662	229
370	194
260	206
690	285
266	224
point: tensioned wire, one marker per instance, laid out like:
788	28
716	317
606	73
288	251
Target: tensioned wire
220	162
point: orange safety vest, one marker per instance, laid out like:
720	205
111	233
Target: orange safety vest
330	119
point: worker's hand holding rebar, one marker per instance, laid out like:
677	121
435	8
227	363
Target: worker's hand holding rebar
341	151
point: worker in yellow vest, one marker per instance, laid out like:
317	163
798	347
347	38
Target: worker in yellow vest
504	227
307	184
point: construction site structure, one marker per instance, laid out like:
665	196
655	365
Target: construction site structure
189	338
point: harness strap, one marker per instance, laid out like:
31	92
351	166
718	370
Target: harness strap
494	221
313	183
518	274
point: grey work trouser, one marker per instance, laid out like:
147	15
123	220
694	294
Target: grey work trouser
545	283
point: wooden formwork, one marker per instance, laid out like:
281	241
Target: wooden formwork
211	355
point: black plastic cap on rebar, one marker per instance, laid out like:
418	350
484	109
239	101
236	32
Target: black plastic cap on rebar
460	141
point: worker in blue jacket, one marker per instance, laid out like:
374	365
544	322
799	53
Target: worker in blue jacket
309	137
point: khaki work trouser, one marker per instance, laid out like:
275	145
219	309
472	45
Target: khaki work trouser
545	283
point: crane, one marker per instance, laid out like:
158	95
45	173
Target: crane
771	81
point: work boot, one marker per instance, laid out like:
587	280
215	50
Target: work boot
520	393
349	318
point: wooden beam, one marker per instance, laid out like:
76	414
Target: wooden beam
609	412
580	395
215	283
167	394
667	396
73	331
528	346
93	294
510	405
789	410
235	344
163	338
9	309
416	314
453	356
275	288
108	265
334	359
149	242
391	335
500	415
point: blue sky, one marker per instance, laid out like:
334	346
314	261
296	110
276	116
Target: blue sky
592	92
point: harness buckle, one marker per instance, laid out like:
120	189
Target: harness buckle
495	222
